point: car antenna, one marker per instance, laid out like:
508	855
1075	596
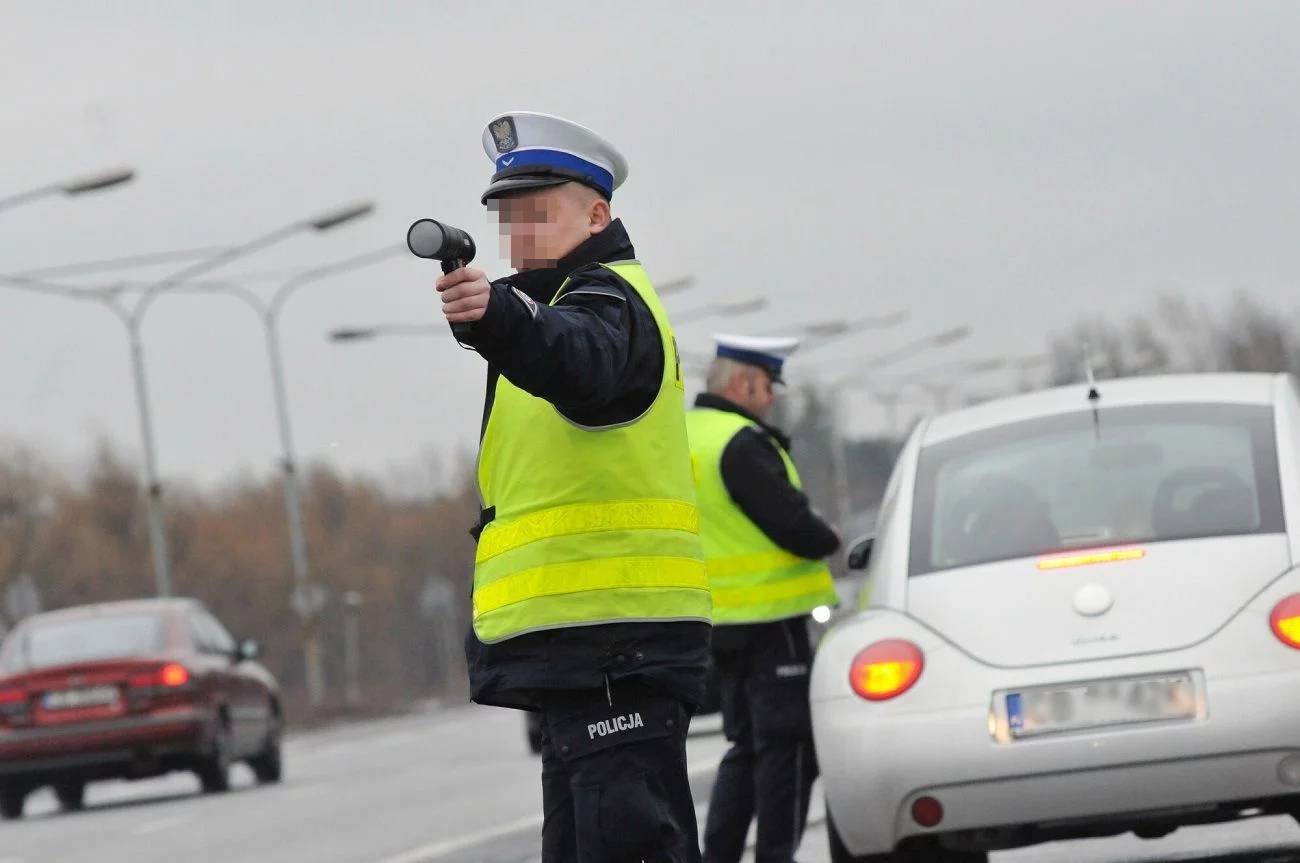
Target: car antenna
1094	394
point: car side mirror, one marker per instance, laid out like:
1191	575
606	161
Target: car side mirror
248	650
860	553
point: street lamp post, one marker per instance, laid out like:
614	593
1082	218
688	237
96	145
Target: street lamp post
75	186
819	333
352	601
374	331
675	286
103	265
823	333
361	334
941	382
307	600
132	317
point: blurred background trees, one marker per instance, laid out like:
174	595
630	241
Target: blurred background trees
83	539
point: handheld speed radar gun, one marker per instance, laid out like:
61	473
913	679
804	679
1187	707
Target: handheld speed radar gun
452	247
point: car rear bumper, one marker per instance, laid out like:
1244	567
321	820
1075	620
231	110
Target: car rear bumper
877	763
117	747
879	758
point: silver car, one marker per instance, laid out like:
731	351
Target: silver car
1081	616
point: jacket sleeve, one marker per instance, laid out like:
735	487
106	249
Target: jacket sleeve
755	477
573	354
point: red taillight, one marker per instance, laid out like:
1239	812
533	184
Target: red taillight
1285	621
170	676
886	669
13	702
927	811
174	674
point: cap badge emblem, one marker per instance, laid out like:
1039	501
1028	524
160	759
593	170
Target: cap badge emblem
503	133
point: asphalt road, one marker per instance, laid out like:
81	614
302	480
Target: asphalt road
1262	840
457	786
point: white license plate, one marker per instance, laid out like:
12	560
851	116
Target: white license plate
69	699
1100	703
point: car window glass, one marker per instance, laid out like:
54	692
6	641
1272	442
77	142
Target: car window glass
199	633
221	639
1141	474
91	638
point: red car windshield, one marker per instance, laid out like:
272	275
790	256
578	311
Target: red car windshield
85	640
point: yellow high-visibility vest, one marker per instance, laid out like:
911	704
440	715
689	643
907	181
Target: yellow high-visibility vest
592	525
753	580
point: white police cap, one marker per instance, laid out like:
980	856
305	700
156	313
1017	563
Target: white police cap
532	150
769	353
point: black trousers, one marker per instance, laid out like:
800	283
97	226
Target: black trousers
770	768
614	781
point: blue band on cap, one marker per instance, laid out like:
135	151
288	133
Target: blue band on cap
753	358
558	159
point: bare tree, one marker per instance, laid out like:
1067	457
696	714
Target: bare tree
25	502
1180	336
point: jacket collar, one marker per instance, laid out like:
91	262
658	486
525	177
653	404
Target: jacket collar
718	403
611	244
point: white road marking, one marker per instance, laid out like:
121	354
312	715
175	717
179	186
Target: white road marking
434	850
160	825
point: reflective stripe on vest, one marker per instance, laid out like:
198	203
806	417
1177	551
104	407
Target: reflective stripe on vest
752	578
592	525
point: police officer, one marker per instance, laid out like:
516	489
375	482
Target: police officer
591	601
763	546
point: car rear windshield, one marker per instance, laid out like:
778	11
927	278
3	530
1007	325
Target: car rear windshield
87	639
1079	480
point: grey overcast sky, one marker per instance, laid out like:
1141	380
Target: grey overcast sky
1008	165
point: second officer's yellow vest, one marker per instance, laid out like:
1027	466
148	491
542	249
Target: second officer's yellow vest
592	525
753	580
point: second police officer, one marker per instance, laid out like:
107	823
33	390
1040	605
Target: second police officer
591	601
763	546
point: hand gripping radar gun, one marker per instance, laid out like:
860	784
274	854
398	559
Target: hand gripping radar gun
451	246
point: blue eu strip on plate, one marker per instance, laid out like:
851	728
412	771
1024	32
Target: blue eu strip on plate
1015	713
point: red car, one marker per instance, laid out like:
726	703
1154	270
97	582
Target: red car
129	690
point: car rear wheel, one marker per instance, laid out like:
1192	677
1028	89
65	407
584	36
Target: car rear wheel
11	803
268	766
214	768
72	795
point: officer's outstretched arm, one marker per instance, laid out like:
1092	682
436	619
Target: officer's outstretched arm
572	355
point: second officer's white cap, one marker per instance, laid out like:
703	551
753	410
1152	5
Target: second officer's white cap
769	353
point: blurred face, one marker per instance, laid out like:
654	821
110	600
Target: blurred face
540	226
753	390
